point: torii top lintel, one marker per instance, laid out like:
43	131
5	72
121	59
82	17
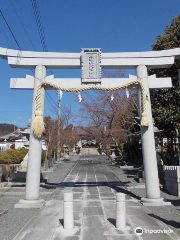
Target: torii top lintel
57	60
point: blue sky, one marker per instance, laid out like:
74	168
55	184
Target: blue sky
69	25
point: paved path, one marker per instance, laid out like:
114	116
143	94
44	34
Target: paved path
94	187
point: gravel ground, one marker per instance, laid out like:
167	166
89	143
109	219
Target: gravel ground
13	221
170	215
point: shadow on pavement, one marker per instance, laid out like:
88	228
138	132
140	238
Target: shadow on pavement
51	185
112	221
117	186
168	222
174	202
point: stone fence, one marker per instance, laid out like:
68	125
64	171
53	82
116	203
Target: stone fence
172	179
171	171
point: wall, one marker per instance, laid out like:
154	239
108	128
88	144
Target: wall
6	171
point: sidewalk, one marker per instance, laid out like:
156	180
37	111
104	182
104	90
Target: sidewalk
94	186
14	220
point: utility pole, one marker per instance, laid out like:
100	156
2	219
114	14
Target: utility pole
59	123
177	132
14	125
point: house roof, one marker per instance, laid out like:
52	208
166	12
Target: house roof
82	130
15	134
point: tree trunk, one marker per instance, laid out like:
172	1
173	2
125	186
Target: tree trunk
172	150
107	153
46	161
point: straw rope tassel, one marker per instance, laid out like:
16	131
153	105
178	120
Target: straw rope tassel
38	124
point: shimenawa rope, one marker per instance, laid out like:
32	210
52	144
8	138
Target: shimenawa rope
38	124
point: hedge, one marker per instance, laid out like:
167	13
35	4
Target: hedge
13	156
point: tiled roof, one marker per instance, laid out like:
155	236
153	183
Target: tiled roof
82	130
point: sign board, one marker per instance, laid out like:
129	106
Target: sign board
90	65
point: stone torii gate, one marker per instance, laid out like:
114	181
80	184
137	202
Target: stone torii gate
91	61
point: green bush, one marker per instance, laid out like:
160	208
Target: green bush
99	150
43	156
62	149
121	146
13	156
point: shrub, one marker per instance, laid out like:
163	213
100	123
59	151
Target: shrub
12	156
43	156
62	149
121	146
99	150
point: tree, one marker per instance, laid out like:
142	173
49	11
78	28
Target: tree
109	121
50	136
68	137
166	103
66	134
51	132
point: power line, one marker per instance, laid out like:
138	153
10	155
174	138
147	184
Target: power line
42	37
39	24
51	99
12	34
53	108
10	30
7	37
14	111
22	25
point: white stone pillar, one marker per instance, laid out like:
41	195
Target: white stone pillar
120	210
148	149
35	147
68	211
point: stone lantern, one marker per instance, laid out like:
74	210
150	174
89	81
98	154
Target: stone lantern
66	153
74	150
26	133
77	149
113	149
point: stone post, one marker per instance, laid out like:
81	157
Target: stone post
74	150
66	151
179	157
68	211
120	210
148	149
35	147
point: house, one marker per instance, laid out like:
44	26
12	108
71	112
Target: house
19	138
85	137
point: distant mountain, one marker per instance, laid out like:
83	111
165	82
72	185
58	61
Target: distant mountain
7	128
